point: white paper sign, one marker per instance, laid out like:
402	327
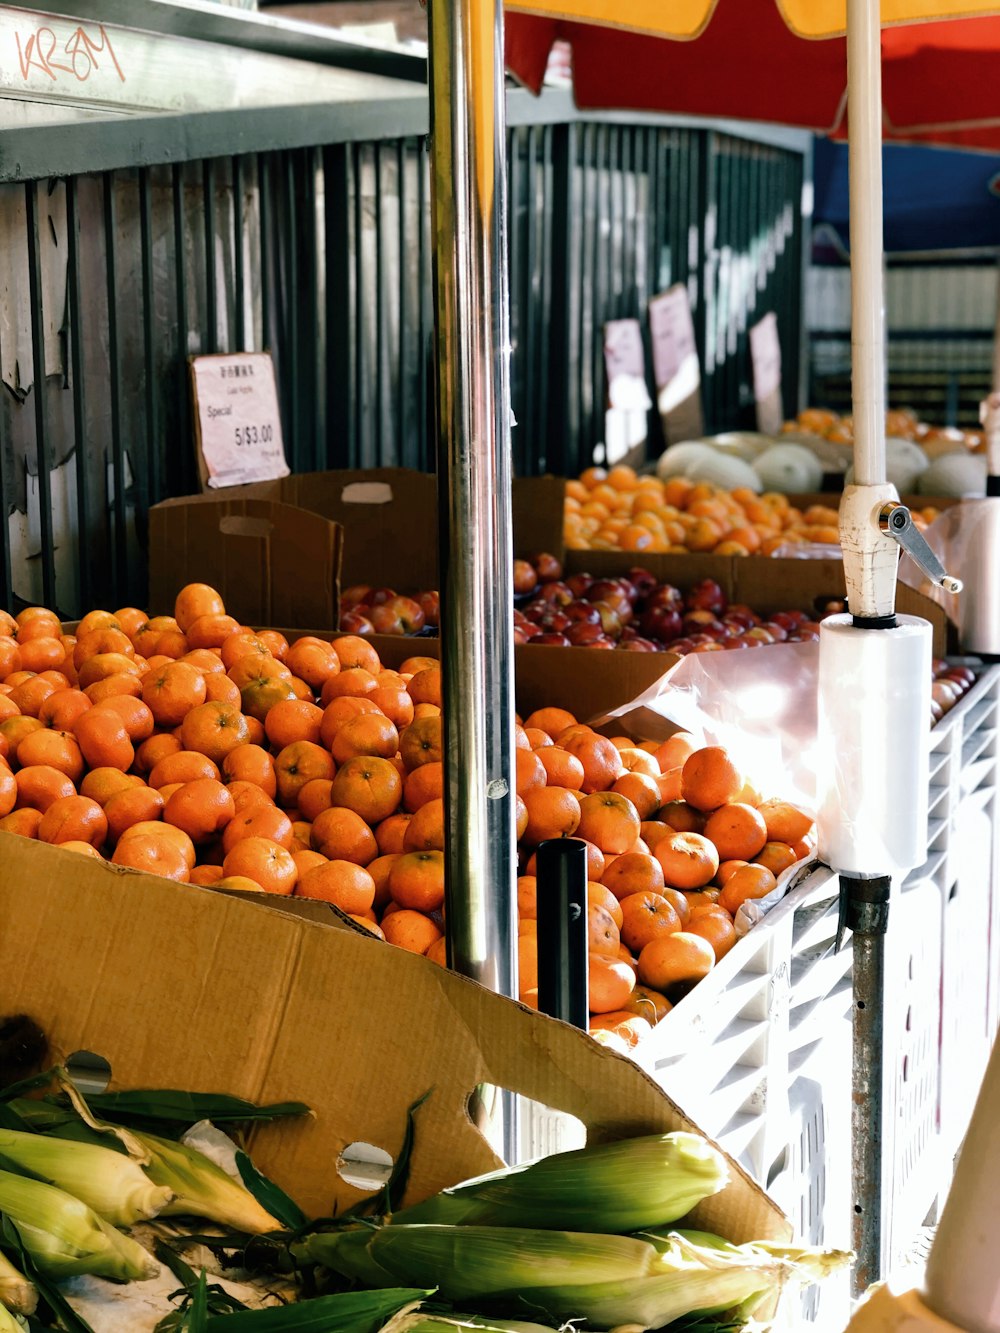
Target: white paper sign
237	419
625	362
675	364
765	353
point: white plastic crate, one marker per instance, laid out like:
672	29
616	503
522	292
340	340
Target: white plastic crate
811	1178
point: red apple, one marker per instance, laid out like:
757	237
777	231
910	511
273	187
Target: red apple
430	604
707	596
661	622
788	620
603	643
398	615
381	595
665	594
777	632
583	611
707	648
583	632
579	583
547	567
746	615
642	580
698	620
611	619
353	622
557	593
354	596
525	579
552	639
555	620
760	633
639	645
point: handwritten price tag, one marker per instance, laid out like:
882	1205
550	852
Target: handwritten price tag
675	364
765	355
237	420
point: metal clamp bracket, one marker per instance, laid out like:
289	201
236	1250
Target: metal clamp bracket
896	521
864	906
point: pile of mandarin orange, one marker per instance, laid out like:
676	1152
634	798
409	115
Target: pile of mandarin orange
621	510
193	747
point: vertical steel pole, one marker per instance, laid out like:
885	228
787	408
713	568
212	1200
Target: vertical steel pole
474	503
868	585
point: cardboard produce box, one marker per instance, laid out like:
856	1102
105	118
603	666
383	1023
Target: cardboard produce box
176	986
388	523
269	560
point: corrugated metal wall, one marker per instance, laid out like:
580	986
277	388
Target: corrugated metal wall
110	279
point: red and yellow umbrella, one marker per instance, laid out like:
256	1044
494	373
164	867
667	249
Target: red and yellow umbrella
758	60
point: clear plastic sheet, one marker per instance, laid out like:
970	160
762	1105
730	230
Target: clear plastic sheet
760	703
966	539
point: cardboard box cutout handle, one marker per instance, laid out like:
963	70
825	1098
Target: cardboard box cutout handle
240	525
367	493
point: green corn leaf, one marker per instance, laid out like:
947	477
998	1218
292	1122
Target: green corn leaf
269	1195
196	1319
345	1312
30	1084
187	1108
9	1118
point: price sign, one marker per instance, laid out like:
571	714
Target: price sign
625	364
765	353
675	364
237	421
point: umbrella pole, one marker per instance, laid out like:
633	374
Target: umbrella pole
468	191
870	566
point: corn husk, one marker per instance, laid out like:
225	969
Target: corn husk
471	1263
628	1185
65	1238
17	1293
202	1189
106	1180
9	1324
607	1280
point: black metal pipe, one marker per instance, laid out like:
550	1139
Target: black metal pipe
211	340
177	467
149	478
39	393
240	343
74	310
118	508
561	875
864	907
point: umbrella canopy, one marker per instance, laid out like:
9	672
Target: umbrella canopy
938	79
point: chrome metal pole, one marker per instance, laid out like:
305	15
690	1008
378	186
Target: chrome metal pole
469	212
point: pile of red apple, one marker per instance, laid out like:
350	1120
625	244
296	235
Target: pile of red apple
950	683
640	614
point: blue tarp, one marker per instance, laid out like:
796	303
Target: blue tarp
934	199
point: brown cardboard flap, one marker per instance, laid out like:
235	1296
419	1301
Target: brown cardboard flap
390	531
269	561
179	987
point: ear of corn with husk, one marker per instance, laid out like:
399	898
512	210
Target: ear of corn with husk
203	1189
17	1293
607	1280
66	1238
647	1181
106	1180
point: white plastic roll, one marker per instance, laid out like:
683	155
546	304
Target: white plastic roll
874	745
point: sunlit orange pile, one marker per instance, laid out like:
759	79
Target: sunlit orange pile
192	747
619	510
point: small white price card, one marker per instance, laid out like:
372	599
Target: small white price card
675	365
765	354
237	419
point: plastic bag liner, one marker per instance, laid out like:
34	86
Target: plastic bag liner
760	703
